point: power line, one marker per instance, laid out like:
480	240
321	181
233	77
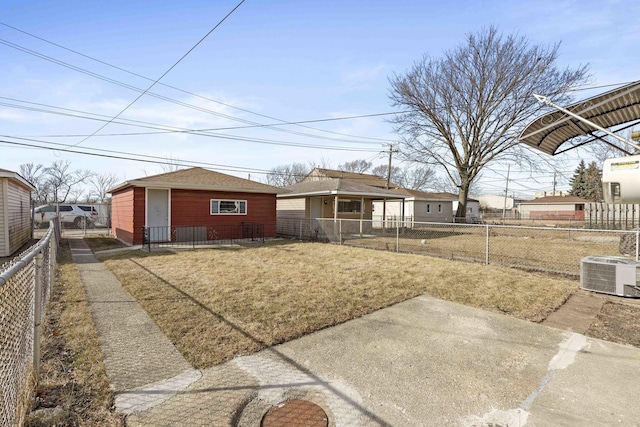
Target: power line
144	158
174	101
175	129
599	87
163	74
109	80
120	157
178	131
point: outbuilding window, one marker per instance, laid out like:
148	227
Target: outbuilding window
228	207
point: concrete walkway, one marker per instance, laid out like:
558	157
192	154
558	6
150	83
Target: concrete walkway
423	362
137	355
578	312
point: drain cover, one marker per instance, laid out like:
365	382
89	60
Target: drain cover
299	413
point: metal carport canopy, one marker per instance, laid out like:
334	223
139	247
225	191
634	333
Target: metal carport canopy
614	108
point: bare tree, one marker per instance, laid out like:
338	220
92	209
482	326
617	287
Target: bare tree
171	164
414	178
357	166
61	180
101	183
466	109
34	173
284	175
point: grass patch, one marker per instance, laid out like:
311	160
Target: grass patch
619	323
216	304
102	243
73	375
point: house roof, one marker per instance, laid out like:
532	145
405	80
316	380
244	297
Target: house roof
555	200
336	186
198	179
360	178
4	173
616	107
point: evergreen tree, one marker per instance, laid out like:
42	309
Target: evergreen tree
593	183
587	182
578	184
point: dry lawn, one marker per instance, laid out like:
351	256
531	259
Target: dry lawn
215	304
72	375
550	250
101	243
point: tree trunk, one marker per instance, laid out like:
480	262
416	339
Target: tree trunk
461	212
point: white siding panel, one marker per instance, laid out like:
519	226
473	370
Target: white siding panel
291	208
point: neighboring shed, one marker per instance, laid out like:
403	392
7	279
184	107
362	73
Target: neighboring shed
191	197
15	220
553	208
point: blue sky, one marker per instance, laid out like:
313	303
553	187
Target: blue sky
290	60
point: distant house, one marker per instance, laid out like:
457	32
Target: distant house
328	193
335	198
421	206
191	197
15	219
553	208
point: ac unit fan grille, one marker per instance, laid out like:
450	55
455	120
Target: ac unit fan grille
599	277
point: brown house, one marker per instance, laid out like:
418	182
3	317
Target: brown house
190	198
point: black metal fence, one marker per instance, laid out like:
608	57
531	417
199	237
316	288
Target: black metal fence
191	236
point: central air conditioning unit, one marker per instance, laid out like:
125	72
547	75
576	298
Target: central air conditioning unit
610	275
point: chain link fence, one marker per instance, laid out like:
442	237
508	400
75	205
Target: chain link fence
544	249
25	284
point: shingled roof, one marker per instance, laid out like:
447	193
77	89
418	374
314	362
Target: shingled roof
360	178
336	186
198	179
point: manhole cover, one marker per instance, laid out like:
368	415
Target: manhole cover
299	413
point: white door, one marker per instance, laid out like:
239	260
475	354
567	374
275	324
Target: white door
158	215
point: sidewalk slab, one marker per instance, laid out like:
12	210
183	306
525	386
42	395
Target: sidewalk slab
135	350
577	313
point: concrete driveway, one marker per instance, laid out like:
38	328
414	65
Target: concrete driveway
423	362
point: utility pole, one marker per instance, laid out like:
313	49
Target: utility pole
391	151
554	184
506	189
384	201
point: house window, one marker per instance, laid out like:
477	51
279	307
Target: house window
349	206
228	207
439	208
428	208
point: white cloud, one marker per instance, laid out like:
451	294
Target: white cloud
362	76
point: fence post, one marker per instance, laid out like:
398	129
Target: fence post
301	224
340	230
486	247
37	315
397	237
637	242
